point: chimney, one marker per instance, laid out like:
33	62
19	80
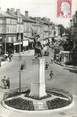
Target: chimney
26	14
8	10
18	11
12	9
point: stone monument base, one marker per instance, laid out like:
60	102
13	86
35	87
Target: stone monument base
38	90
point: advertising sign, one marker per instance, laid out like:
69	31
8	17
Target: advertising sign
25	43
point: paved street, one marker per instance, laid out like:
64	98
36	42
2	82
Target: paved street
62	79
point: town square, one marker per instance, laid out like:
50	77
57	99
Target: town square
38	65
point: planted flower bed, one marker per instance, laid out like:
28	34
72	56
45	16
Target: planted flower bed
57	103
60	93
15	100
19	103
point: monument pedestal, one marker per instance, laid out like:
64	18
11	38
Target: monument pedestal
38	88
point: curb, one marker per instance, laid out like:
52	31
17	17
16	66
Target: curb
68	66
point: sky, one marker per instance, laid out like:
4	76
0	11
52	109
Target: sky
39	8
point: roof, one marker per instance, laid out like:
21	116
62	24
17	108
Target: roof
6	15
28	19
1	15
25	19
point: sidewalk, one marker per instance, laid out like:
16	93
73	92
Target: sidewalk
67	66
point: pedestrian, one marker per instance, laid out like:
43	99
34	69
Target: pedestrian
8	82
51	74
4	82
52	59
10	57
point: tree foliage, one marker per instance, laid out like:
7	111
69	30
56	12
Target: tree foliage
62	29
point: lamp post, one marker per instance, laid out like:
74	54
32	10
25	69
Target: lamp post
20	67
19	80
5	45
19	54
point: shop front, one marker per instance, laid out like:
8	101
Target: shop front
65	57
18	47
31	44
25	44
7	43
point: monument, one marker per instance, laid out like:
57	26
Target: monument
38	88
39	98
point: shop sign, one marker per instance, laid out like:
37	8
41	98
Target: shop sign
25	43
18	43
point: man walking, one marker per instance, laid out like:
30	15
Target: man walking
51	74
8	82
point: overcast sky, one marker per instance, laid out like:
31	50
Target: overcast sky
42	8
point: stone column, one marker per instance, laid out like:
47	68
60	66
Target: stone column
38	88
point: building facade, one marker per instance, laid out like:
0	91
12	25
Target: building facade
74	37
7	32
74	29
16	30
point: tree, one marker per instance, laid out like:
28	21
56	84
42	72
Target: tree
62	29
68	45
68	32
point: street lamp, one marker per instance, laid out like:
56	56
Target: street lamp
19	80
19	54
5	45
